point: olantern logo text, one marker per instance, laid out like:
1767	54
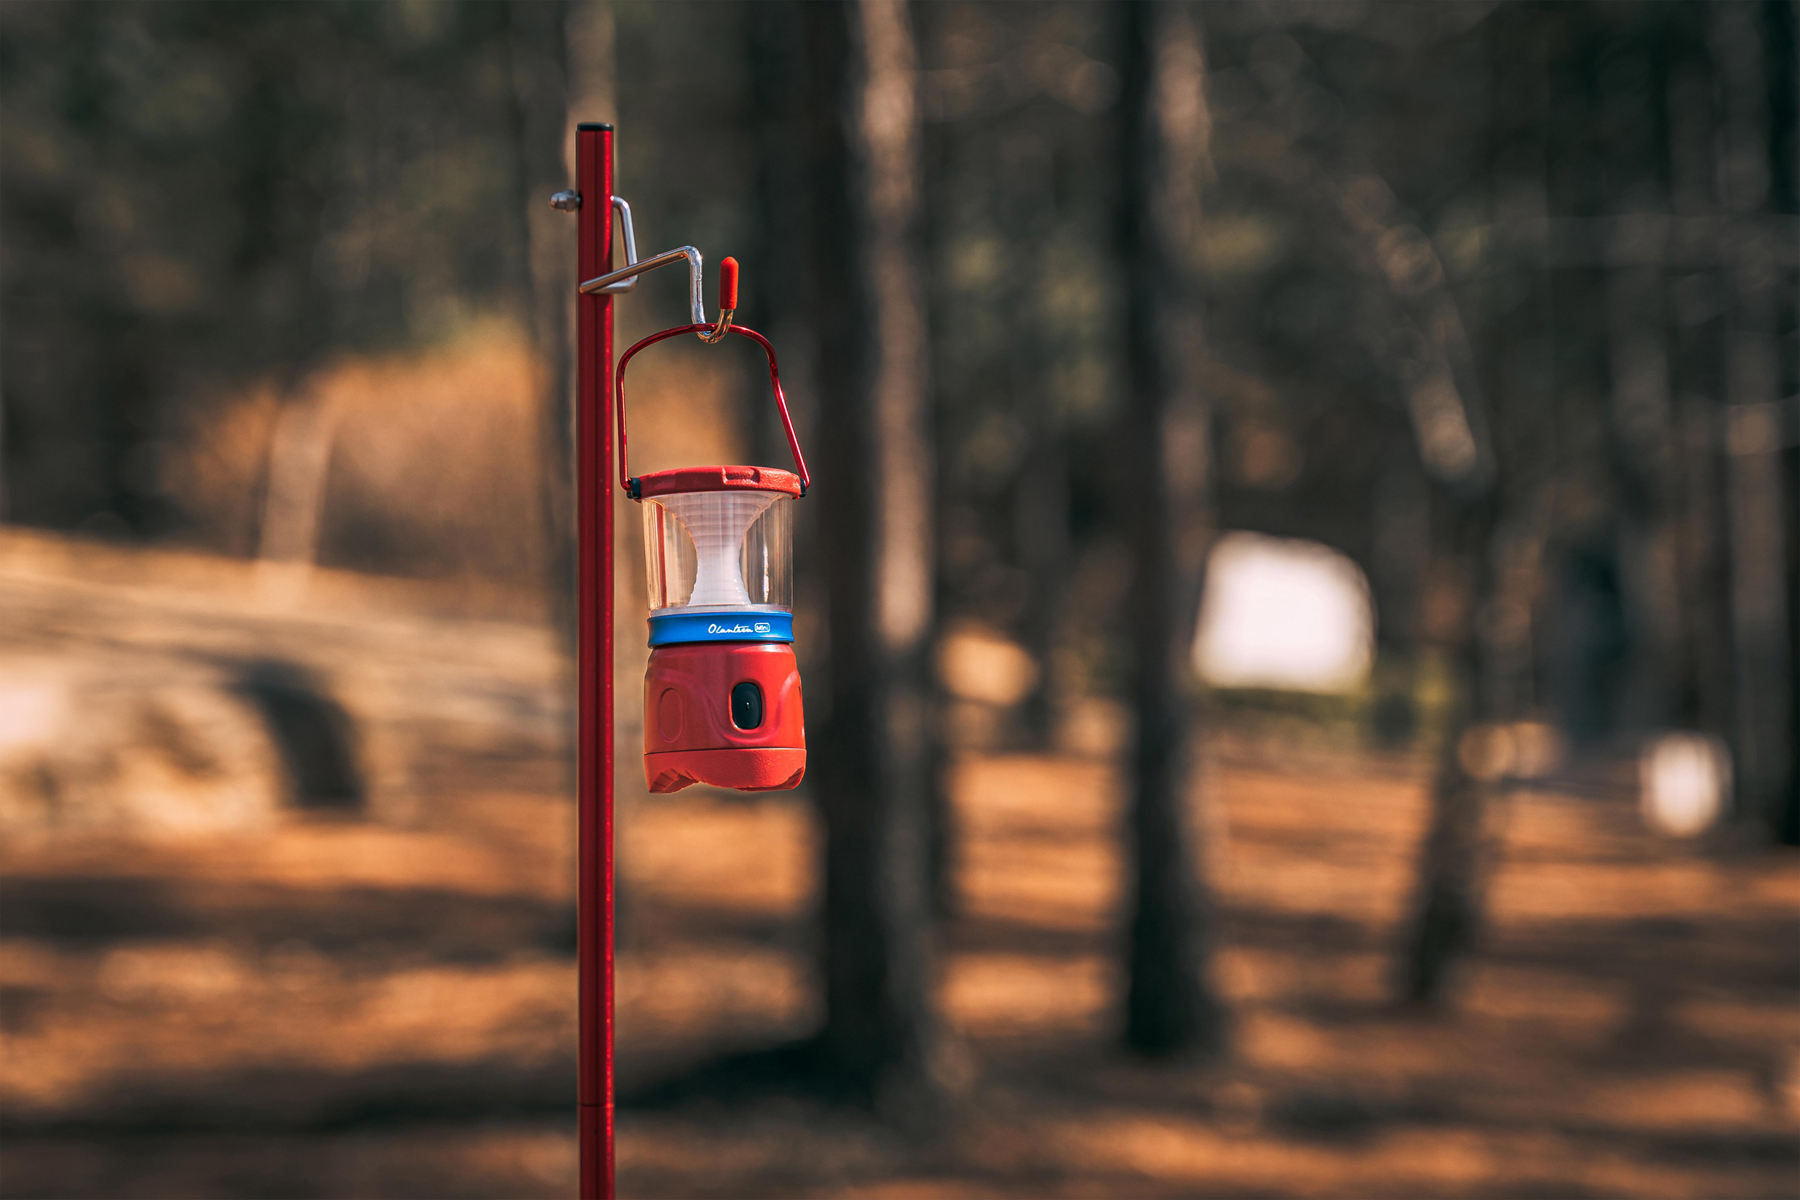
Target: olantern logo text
740	627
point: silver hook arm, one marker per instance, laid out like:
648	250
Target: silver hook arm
569	200
696	277
626	277
631	259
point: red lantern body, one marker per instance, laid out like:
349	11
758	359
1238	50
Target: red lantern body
697	700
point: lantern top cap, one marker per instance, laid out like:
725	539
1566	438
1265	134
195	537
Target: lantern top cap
719	479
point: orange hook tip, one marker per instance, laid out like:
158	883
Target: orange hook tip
728	275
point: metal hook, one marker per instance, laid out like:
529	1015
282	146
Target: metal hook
624	213
569	201
626	277
719	331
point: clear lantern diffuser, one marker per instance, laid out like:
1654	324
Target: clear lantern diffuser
726	553
719	551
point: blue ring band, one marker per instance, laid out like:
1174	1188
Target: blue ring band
671	629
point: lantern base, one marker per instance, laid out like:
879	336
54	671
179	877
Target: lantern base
724	713
763	769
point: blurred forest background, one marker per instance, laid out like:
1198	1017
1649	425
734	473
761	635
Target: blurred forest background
1448	352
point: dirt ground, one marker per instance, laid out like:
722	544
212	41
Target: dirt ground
355	1005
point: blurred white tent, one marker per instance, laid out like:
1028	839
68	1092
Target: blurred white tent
1282	613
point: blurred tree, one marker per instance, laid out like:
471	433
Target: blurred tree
1171	1005
1756	510
875	483
1702	671
539	68
1782	41
1022	296
1452	440
774	257
1448	890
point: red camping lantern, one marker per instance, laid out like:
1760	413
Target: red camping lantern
722	691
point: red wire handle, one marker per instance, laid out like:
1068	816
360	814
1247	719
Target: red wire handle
787	422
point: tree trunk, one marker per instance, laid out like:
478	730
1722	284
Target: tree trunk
294	500
1518	361
875	484
1448	893
1400	525
1643	443
1763	729
773	296
1026	199
1171	1007
1781	31
540	95
1703	668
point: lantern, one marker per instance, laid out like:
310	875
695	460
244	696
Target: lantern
722	699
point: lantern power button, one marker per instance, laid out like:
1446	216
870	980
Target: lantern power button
746	705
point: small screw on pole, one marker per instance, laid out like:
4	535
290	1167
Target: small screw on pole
566	201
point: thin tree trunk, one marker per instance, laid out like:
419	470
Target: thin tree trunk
1449	888
874	493
934	201
1643	448
294	501
1781	32
1025	168
1171	1006
1449	884
540	118
772	297
1041	534
1763	721
1400	524
1704	669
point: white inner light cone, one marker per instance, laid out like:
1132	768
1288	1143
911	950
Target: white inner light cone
717	521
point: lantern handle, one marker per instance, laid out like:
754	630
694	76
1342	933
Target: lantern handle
626	480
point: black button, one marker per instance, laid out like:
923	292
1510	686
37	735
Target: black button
746	705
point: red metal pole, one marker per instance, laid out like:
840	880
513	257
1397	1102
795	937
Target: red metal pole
594	667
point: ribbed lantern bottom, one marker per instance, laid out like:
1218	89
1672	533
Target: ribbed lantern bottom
745	770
